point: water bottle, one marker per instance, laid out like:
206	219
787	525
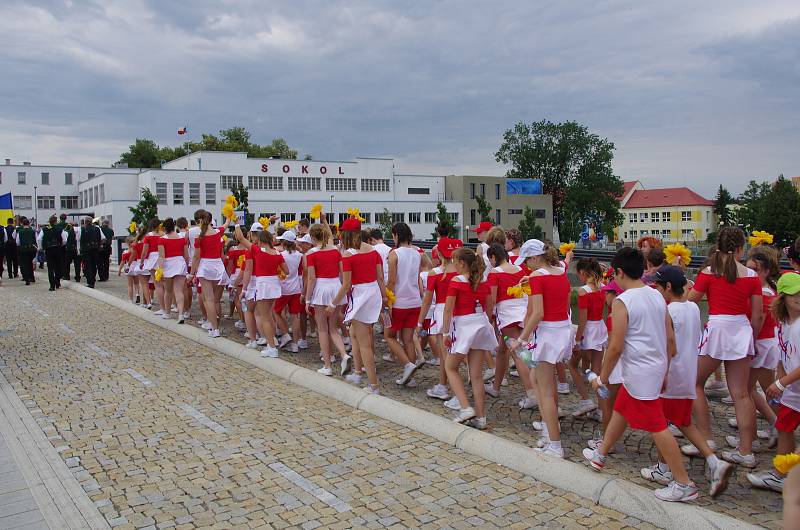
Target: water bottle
602	391
524	352
422	333
244	305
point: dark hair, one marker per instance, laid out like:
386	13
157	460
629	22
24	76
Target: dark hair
351	239
265	236
677	290
181	222
443	230
403	233
767	259
365	235
10	220
24	221
514	235
289	246
168	225
63	217
474	264
723	262
656	257
376	233
498	252
280	231
52	219
205	222
591	267
304	222
630	260
199	214
152	224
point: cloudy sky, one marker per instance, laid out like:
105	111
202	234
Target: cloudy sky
692	93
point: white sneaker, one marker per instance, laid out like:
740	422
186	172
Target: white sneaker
434	361
513	373
312	334
252	345
691	450
504	382
206	325
438	392
239	324
453	403
677	492
538	425
292	348
213	333
654	474
719	477
159	312
283	340
549	450
166	316
408	372
542	441
148	306
388	357
173	309
412	383
488	374
302	344
464	414
261	341
186	315
563	388
528	403
369	389
733	441
584	406
270	352
733	422
353	379
181	320
595	415
489	389
735	457
767	480
476	423
325	371
345	365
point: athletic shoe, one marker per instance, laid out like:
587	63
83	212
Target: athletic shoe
584	406
527	403
345	365
691	450
733	422
270	351
148	306
388	357
166	316
719	477
369	389
504	382
434	361
239	324
735	457
489	389
438	392
594	443
408	372
253	345
676	432
186	315
302	344
464	414
766	480
160	312
770	434
138	298
563	388
213	333
292	348
325	371
488	374
453	403
595	415
543	441
173	309
181	320
733	441
201	322
353	379
549	450
513	373
596	460
654	474
538	425
283	340
677	492
312	334
261	341
476	423
727	400
412	384
206	325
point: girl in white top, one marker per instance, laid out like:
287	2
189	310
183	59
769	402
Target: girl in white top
291	289
256	336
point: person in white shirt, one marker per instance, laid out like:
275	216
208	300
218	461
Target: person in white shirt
376	240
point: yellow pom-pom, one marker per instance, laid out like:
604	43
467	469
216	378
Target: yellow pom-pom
760	237
228	212
288	225
390	298
316	211
356	213
784	463
515	291
264	222
158	274
566	248
281	274
240	260
224	238
676	250
230	199
132	227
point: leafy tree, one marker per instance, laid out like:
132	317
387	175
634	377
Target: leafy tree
142	153
528	226
241	194
385	224
721	203
443	219
484	208
752	206
782	207
145	209
574	167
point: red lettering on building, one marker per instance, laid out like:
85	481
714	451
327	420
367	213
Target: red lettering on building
341	171
323	169
286	168
304	169
264	168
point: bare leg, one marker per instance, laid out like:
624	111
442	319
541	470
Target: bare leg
668	448
323	333
764	377
178	292
266	315
210	303
361	335
476	377
407	335
395	347
705	367
738	375
336	336
452	363
548	405
577	377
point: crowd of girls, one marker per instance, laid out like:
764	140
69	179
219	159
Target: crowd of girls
638	354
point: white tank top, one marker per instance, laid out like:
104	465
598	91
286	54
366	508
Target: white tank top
406	288
644	356
789	340
383	250
683	368
293	284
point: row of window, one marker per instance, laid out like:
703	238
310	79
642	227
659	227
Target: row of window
686	233
473	190
498	218
22	177
378	217
178	196
46	202
658	217
262	182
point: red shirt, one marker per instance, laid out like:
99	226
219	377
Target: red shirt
439	284
768	329
363	266
126	256
555	290
137	249
504	280
467	300
173	246
210	245
152	243
325	263
233	258
725	298
264	263
593	302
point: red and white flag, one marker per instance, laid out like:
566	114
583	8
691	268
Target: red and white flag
182	130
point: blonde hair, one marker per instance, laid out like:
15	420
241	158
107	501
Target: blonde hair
321	234
496	235
474	264
351	239
425	262
780	310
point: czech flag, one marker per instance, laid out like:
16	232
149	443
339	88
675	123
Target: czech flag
6	207
183	130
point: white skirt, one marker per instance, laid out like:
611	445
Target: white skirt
175	266
325	290
250	290
234	277
364	303
472	332
437	320
595	336
150	261
768	353
212	269
510	312
133	268
267	288
727	338
553	342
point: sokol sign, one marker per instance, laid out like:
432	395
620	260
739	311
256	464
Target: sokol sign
286	168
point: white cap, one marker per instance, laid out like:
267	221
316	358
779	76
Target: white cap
305	239
256	227
287	236
531	248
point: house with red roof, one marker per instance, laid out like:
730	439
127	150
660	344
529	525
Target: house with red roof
670	214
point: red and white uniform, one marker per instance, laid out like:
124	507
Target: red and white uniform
679	395
135	269
210	247
265	271
405	310
439	283
471	329
232	266
789	411
152	240
423	278
326	270
728	335
595	333
292	285
508	310
174	262
767	349
554	337
364	301
126	258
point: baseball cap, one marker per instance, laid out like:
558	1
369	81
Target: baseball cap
670	274
789	283
256	227
287	236
305	239
612	286
447	245
531	248
484	226
351	224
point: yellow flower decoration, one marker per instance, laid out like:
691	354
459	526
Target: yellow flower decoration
264	222
132	227
390	298
158	274
355	212
676	250
240	260
518	290
224	238
288	225
784	463
760	237
566	248
316	211
281	274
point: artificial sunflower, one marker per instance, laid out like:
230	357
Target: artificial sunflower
676	250
760	237
566	248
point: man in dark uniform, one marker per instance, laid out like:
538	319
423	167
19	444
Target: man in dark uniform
25	239
90	241
11	250
71	256
2	250
52	239
105	251
63	224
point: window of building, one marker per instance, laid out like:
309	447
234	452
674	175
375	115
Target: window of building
654	217
265	214
177	193
367	217
262	182
515	211
68	178
381	217
194	193
686	215
473	218
687	233
634	234
483	190
102	193
307	215
211	193
226	182
632	217
419	191
497	217
708	215
643	217
471	190
497	191
374	184
96	196
90	175
453	216
539	214
329	217
644	233
23	202
414	217
161	192
340	184
665	233
342	217
398	217
430	217
46	202
304	183
1	177
286	217
666	216
69	202
21	177
45	178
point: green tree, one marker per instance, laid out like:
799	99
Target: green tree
443	219
752	206
484	208
783	206
721	203
385	224
142	153
528	226
145	209
574	167
241	193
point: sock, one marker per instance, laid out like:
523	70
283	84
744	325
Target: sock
410	364
555	445
712	461
662	467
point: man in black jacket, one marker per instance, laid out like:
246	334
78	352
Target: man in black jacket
71	256
90	241
25	239
11	250
52	239
105	251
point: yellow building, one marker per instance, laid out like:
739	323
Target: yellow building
796	182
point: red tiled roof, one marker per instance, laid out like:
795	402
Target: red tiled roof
666	197
628	186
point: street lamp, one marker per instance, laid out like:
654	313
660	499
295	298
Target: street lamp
331	210
35	206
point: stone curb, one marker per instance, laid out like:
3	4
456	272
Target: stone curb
613	493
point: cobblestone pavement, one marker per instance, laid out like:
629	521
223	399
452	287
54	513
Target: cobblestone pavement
161	433
507	420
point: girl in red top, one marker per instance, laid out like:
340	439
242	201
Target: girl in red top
468	335
148	259
142	277
125	264
549	326
731	288
246	292
592	335
173	252
208	267
362	284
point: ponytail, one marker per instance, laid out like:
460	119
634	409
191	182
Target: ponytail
591	267
205	222
498	252
722	261
473	263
